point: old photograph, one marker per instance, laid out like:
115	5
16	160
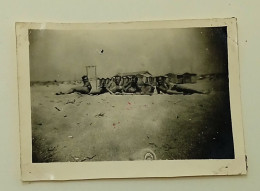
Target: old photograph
108	95
129	94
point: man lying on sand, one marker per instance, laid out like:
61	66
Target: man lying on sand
85	89
164	87
187	91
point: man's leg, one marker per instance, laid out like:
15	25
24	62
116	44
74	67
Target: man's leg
72	90
172	92
82	90
192	91
96	92
66	92
189	91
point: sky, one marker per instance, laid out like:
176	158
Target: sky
64	54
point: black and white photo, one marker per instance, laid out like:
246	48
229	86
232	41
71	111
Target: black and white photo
132	94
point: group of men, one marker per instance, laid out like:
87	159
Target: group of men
132	87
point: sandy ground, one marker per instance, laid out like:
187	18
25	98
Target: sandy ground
74	128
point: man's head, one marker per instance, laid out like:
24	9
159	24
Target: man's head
134	79
160	80
85	78
117	80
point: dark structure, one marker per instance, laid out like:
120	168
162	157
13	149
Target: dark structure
143	76
182	78
189	78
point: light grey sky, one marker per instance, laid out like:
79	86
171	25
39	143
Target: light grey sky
63	55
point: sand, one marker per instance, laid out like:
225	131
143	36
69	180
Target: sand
77	128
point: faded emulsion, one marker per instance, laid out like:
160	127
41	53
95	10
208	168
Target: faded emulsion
122	95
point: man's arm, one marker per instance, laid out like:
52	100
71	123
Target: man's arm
162	89
126	87
108	88
88	85
109	91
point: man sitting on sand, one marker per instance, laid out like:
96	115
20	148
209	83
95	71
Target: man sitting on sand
132	86
85	89
114	87
147	89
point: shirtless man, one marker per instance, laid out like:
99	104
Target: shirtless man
114	87
132	86
187	91
85	89
162	87
147	89
178	89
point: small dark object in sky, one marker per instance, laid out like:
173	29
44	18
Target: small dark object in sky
57	108
102	51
